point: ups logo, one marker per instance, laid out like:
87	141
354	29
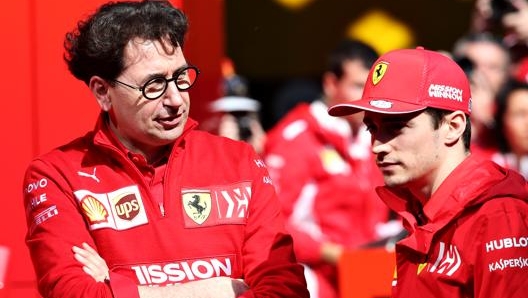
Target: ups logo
127	207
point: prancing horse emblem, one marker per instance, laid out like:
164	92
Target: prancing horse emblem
195	203
197	206
378	72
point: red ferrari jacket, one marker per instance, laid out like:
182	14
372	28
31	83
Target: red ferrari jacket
219	216
326	183
473	240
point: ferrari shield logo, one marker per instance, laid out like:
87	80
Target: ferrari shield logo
197	206
379	72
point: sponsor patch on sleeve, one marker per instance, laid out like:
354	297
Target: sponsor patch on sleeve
43	216
508	253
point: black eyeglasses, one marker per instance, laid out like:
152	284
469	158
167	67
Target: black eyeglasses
156	87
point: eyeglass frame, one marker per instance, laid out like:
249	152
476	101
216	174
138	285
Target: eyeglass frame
167	81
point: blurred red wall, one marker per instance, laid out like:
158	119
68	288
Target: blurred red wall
43	106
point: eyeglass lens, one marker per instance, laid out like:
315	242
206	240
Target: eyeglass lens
184	80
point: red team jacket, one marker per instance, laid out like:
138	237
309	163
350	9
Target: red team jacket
475	241
326	185
220	217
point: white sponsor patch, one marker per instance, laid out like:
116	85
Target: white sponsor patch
381	104
119	210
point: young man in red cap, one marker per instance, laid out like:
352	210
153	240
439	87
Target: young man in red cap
467	218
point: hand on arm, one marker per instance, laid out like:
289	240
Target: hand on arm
93	264
258	136
228	127
331	252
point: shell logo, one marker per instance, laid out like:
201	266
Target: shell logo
94	210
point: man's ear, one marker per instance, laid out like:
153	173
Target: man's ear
329	82
456	124
100	89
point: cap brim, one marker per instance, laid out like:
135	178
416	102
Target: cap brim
382	106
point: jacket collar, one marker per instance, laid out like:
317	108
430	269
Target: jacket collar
104	136
472	183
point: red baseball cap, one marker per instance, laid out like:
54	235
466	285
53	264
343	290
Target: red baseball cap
410	80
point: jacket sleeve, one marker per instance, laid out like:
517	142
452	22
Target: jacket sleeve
501	265
55	225
270	266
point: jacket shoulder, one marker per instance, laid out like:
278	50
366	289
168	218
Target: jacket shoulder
206	141
68	151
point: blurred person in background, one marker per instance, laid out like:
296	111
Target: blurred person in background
516	24
483	141
235	115
489	56
312	159
507	19
512	127
292	93
237	118
486	62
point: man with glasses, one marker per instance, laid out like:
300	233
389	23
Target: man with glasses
154	88
145	200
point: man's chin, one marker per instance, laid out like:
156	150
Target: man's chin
394	182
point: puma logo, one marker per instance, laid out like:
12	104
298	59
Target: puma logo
83	174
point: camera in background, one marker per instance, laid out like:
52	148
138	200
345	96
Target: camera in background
243	109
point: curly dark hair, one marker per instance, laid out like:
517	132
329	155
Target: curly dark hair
96	46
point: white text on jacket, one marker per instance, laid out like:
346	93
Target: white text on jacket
160	274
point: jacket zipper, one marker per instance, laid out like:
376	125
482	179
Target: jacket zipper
138	174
